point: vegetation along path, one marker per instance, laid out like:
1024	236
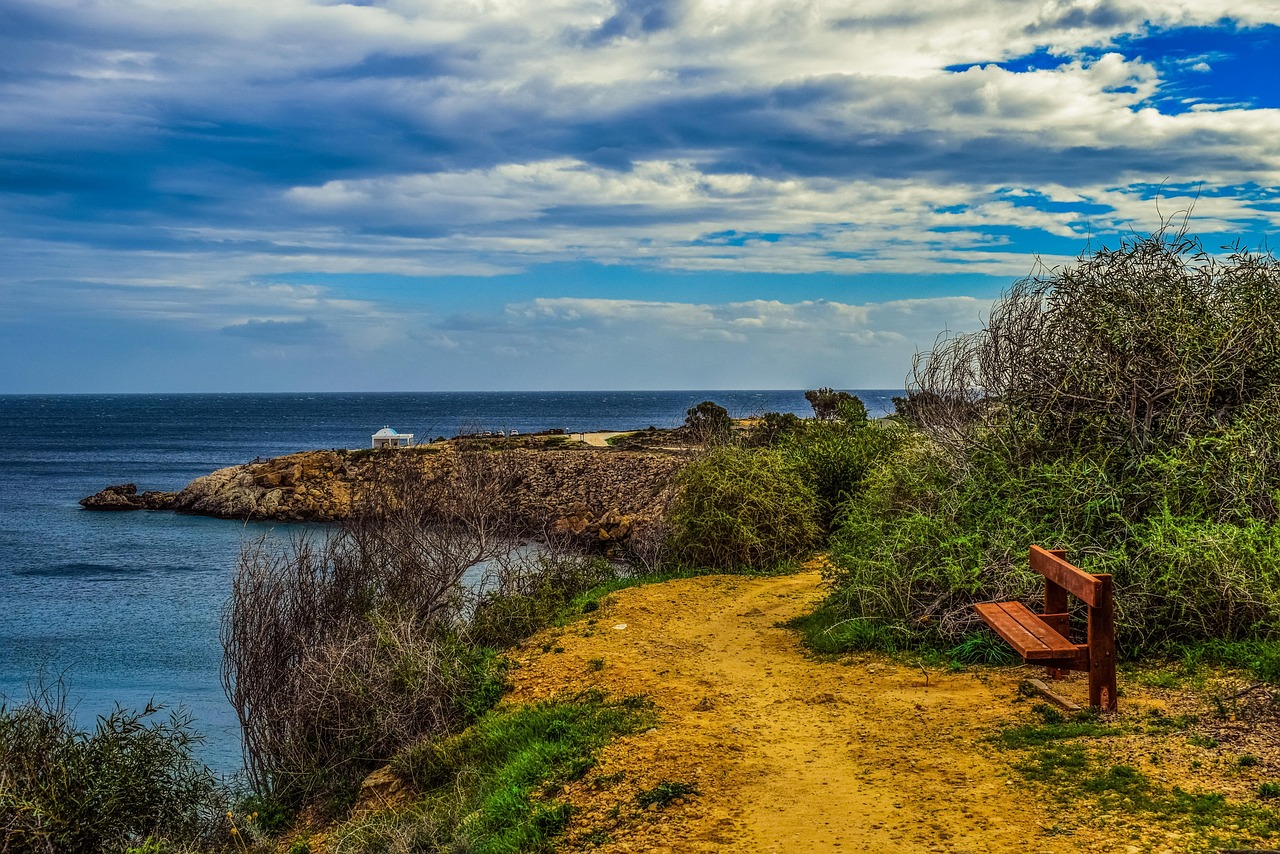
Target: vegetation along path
786	753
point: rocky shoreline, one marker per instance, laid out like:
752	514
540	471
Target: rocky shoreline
596	493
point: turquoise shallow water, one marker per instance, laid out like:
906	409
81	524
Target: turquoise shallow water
124	608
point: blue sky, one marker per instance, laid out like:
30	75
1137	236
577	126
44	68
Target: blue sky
228	195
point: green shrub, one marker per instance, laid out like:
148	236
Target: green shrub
531	591
133	777
924	539
739	508
772	427
708	422
929	534
1187	579
834	458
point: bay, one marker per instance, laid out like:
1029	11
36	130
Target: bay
125	608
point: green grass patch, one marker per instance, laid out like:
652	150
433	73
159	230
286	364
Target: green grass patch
829	631
665	794
1062	754
492	787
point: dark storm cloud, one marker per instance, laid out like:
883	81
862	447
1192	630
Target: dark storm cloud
635	18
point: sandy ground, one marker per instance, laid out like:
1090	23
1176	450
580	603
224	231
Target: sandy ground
787	753
601	439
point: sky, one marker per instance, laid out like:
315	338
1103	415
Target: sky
416	195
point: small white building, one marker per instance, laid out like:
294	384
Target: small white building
388	438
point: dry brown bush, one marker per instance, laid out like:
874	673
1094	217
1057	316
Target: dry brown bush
345	646
1135	347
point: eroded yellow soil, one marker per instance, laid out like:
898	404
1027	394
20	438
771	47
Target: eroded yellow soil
788	754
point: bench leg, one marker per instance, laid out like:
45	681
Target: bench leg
1102	688
1102	650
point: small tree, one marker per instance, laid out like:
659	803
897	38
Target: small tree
831	405
708	422
772	427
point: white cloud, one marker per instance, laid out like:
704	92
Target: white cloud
163	156
673	214
748	344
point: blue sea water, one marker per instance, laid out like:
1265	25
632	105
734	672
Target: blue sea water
125	607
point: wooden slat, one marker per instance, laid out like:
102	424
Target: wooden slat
1080	661
1034	639
1074	580
1057	699
1060	623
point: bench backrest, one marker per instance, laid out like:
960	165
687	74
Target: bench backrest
1083	585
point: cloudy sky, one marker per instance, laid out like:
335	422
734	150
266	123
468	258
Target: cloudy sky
222	195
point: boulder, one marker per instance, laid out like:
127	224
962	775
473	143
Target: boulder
154	500
122	496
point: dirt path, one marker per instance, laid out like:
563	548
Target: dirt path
787	754
600	439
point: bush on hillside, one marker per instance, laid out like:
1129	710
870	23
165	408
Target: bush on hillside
928	536
773	427
1138	347
527	590
834	457
133	776
1124	409
708	422
739	508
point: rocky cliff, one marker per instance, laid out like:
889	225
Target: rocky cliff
312	486
591	493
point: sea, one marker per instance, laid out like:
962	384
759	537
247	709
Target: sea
123	609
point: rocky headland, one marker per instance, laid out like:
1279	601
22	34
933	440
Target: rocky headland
596	493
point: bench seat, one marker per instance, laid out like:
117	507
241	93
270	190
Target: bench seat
1026	632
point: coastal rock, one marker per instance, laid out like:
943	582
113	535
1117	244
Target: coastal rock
597	496
152	500
122	496
312	486
382	790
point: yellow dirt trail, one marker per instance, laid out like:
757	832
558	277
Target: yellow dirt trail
787	753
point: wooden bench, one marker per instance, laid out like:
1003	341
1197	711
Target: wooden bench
1046	638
